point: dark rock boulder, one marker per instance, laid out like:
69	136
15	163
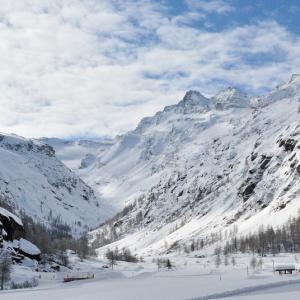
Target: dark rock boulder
12	232
27	249
11	226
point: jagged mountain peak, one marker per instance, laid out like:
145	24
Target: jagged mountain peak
193	100
290	89
292	85
230	97
193	97
295	78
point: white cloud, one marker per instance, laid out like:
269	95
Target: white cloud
210	6
72	68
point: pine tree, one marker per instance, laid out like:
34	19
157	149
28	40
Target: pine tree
168	264
193	246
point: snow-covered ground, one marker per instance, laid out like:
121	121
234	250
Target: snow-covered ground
191	278
288	292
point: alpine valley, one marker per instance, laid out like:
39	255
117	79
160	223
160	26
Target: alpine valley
200	167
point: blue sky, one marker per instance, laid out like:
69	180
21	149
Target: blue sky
96	67
285	12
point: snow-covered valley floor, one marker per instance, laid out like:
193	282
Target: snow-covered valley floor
192	278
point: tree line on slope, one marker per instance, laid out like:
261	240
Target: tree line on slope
53	241
113	229
56	239
268	240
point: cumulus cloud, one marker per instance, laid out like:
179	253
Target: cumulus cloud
94	68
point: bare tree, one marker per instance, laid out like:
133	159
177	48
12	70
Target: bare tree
127	256
226	262
218	260
62	255
5	267
233	262
253	263
111	256
158	262
83	247
260	263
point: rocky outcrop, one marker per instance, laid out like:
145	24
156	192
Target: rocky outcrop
27	249
11	226
255	176
12	238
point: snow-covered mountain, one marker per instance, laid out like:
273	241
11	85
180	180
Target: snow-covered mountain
204	165
34	181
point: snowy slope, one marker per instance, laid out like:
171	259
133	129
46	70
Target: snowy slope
205	165
33	180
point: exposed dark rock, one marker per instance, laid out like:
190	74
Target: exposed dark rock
256	174
253	156
27	249
288	144
265	162
248	190
13	229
